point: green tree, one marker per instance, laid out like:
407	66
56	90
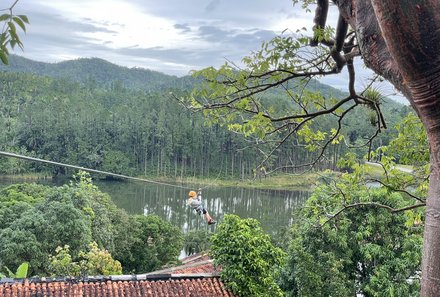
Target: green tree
98	262
37	220
196	241
349	238
95	261
35	234
367	249
153	243
249	261
18	246
62	263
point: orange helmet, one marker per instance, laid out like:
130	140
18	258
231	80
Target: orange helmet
192	194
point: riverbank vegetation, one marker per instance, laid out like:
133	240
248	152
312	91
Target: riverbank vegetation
281	181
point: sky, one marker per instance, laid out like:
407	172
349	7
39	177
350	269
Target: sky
170	36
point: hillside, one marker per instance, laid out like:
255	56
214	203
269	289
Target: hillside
105	74
98	71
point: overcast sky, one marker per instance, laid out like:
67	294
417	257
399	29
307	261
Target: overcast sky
170	36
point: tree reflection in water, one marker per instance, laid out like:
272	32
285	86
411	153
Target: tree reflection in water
273	208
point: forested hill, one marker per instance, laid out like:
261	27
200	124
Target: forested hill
61	112
100	72
97	71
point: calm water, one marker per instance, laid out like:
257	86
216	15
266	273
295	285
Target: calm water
273	208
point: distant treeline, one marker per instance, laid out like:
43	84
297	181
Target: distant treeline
115	128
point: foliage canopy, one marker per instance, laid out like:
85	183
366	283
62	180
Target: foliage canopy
249	261
77	229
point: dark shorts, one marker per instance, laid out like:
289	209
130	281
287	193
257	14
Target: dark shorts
200	210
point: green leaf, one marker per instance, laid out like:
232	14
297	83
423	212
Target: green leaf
10	273
19	22
12	28
3	38
24	18
4	57
4	17
22	270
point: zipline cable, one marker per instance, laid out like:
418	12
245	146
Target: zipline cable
2	153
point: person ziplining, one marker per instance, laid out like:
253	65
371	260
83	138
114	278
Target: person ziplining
195	201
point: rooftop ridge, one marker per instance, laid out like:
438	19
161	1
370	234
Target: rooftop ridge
100	278
194	257
184	266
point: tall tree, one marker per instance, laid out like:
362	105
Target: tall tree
398	40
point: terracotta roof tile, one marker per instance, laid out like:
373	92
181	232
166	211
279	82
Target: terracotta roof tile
171	286
195	278
198	263
195	258
207	267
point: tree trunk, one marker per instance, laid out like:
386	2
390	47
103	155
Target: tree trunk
400	40
431	244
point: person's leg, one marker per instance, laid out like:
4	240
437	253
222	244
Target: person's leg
208	217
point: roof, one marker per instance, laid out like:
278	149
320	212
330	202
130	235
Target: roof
197	277
198	263
169	285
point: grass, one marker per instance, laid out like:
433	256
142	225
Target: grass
410	167
26	176
374	171
281	181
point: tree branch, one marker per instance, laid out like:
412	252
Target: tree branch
397	190
371	204
341	32
323	148
319	20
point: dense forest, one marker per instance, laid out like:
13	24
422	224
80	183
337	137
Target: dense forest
94	114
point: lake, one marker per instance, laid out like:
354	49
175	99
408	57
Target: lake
273	208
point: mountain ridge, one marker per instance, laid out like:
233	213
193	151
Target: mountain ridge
104	73
97	71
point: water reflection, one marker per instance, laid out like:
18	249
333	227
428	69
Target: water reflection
273	208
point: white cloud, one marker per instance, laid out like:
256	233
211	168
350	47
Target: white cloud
124	23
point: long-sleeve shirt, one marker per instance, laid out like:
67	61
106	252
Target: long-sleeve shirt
195	202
